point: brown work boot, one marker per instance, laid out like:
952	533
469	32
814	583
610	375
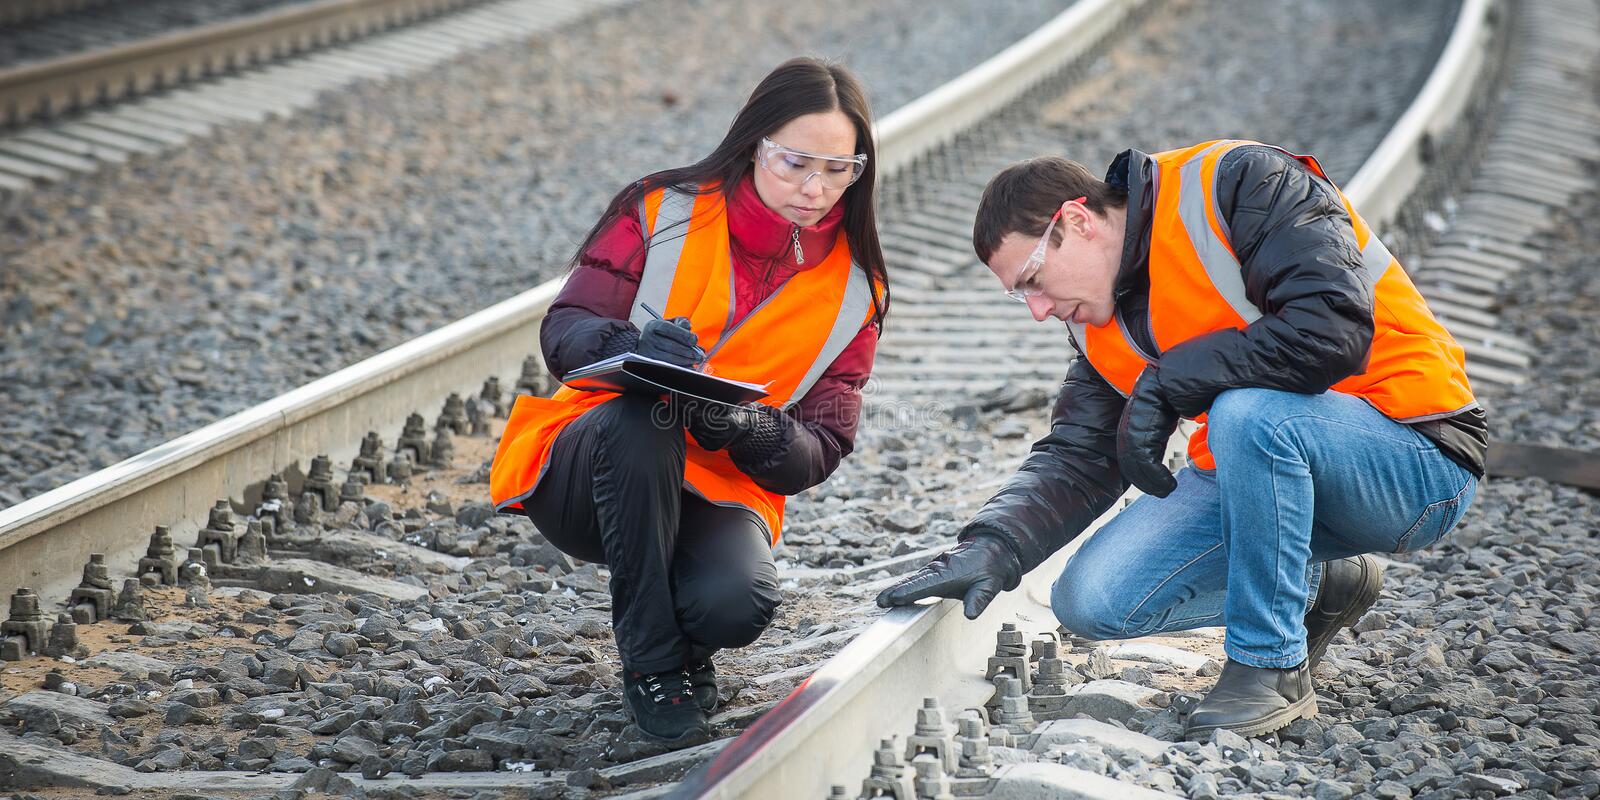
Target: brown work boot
1253	701
1349	587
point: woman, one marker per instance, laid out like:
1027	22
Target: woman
764	256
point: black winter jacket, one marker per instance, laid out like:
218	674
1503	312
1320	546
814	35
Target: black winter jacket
1298	251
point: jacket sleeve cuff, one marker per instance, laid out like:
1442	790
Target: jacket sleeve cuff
574	337
775	454
618	341
765	443
1012	543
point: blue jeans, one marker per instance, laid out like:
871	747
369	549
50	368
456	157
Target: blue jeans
1300	479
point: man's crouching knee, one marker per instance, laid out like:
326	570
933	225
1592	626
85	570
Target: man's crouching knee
1083	612
1246	408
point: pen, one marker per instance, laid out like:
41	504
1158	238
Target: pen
702	366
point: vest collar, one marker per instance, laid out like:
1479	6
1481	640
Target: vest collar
1134	171
764	235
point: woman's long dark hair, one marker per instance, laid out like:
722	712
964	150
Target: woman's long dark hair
798	87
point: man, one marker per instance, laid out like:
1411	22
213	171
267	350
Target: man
1232	283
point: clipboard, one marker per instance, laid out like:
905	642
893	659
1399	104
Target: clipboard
631	372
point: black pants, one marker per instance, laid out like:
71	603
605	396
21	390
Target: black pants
687	577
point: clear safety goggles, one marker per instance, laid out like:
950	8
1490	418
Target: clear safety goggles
797	166
1028	283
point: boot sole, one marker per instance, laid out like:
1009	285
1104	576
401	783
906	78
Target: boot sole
1305	708
1364	602
686	739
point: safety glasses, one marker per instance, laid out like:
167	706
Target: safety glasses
1028	283
797	166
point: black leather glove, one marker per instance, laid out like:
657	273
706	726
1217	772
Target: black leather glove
974	571
715	426
1148	421
671	341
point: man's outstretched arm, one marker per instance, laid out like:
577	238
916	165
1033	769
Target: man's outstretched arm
1067	481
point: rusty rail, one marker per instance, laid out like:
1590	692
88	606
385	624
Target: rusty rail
57	86
13	11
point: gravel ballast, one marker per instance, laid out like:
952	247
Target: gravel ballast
1476	675
1562	408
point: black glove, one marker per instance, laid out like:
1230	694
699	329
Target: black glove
715	425
671	341
1148	421
973	571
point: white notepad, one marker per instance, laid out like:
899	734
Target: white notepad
631	372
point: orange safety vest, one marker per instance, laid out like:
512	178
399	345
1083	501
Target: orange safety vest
790	339
1415	370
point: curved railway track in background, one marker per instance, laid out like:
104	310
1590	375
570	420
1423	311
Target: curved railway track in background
54	87
68	115
24	10
937	152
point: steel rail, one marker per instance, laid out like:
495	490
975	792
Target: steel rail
835	718
936	117
1389	175
55	86
113	511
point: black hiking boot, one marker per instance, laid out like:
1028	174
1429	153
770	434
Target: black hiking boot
1252	701
1349	587
703	683
664	708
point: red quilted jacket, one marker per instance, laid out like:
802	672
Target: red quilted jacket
589	321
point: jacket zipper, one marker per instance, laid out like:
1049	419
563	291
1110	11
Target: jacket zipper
799	255
799	258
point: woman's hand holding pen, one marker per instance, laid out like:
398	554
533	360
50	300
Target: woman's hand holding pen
714	426
671	341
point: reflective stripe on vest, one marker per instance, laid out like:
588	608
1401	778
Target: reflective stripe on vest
1197	207
662	253
1415	369
788	340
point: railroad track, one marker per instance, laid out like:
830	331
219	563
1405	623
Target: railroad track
837	715
23	10
73	31
56	86
70	115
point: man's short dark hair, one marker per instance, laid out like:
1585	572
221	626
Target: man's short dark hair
1023	197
